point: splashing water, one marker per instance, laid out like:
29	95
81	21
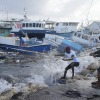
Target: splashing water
45	70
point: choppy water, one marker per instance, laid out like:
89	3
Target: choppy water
42	69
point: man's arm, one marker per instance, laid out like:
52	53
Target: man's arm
59	54
67	59
72	56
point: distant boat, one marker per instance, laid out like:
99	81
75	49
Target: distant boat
30	46
86	39
11	42
65	29
31	28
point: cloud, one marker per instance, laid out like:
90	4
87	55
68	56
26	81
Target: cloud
52	9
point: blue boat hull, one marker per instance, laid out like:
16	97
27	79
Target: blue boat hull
26	49
74	46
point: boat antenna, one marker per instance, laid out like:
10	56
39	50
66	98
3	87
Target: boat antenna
25	13
7	16
89	11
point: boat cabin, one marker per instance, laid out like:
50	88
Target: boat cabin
85	38
5	28
32	29
33	25
65	27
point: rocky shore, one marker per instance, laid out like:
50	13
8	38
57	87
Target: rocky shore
72	90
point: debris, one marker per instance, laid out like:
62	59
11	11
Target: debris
2	57
72	93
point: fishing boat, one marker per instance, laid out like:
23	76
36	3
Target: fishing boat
65	29
36	30
30	46
11	42
31	28
86	39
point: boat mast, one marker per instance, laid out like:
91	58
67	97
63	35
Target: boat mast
88	13
25	13
7	16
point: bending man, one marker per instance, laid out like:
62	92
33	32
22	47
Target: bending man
96	84
75	62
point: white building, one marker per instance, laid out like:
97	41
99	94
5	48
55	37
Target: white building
94	27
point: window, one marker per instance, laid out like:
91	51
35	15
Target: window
79	35
33	24
23	25
30	24
43	25
26	24
65	24
75	34
36	24
57	24
85	37
73	24
2	31
39	25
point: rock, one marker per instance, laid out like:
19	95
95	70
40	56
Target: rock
25	90
84	72
93	66
2	57
81	77
17	96
77	77
7	94
2	61
30	87
78	90
95	73
70	80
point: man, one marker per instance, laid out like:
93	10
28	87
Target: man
75	62
22	42
96	84
95	54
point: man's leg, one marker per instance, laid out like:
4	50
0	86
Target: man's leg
73	65
66	69
72	72
65	72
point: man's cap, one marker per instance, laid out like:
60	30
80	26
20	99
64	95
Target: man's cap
67	48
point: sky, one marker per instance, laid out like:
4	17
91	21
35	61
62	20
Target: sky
55	10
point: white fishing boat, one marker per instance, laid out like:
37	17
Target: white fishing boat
86	39
65	27
31	28
12	41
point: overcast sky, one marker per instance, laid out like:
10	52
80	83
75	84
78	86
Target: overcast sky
55	10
